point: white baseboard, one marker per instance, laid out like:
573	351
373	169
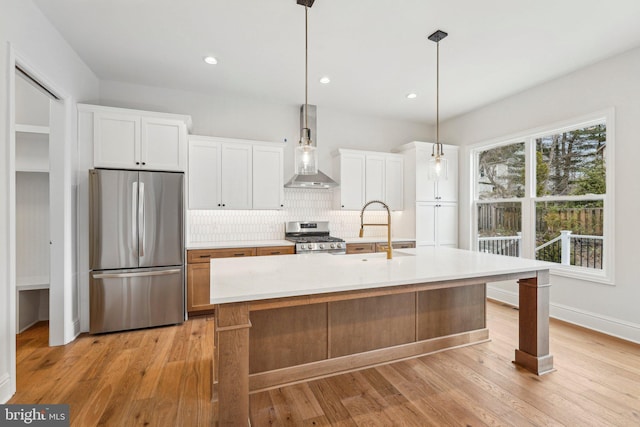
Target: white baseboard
597	322
607	325
5	388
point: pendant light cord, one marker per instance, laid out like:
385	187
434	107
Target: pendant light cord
306	64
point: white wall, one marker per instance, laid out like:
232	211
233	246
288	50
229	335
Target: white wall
612	83
27	34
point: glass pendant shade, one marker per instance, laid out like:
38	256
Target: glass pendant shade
438	168
306	159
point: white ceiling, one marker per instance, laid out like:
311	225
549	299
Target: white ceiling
375	51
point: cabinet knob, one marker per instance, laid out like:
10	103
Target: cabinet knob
144	163
281	206
137	163
343	206
223	205
219	204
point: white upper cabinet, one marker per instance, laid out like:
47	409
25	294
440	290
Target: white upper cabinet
366	176
225	173
268	177
116	140
349	170
131	139
163	144
204	177
394	182
236	176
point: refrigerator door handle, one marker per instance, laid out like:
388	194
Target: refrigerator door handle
141	221
134	204
142	274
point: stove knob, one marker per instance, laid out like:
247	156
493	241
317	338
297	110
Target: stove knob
309	246
321	245
333	246
339	245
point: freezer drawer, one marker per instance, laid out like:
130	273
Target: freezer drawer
136	298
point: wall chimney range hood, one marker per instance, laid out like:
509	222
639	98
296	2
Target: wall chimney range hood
319	180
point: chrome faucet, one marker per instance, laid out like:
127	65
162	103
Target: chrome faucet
388	224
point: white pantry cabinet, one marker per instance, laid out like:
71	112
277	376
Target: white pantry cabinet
225	173
132	139
431	213
437	224
366	176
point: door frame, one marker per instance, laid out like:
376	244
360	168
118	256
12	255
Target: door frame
61	265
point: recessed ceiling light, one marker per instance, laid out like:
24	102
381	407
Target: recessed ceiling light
412	96
210	60
324	80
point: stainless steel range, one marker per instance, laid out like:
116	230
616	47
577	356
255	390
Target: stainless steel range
313	237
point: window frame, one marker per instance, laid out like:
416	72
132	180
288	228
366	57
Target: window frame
530	199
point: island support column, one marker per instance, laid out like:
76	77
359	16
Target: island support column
232	329
533	353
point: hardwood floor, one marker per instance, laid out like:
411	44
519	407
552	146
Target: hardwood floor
162	377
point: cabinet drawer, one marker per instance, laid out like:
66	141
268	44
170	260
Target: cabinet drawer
204	255
382	247
360	248
275	250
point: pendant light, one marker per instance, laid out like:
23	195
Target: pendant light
438	163
306	159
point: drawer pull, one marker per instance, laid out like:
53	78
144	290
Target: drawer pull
359	249
240	254
205	256
275	253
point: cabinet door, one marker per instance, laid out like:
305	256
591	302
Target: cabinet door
116	140
163	144
198	287
352	181
204	174
425	187
236	176
394	182
268	179
447	224
447	190
426	224
375	180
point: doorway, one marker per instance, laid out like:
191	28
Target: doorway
34	185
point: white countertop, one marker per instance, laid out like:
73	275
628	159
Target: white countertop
239	244
259	278
377	239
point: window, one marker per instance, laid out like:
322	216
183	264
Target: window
546	195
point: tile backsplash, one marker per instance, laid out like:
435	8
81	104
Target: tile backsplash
300	205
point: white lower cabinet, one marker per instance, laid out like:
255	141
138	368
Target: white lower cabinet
437	224
226	173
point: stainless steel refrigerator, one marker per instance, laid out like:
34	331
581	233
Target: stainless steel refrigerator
137	249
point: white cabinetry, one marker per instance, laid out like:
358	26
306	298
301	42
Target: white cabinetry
131	139
368	175
431	213
268	178
226	173
349	170
437	224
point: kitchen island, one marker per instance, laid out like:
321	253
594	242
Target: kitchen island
281	320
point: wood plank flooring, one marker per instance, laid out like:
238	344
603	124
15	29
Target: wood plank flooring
162	377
